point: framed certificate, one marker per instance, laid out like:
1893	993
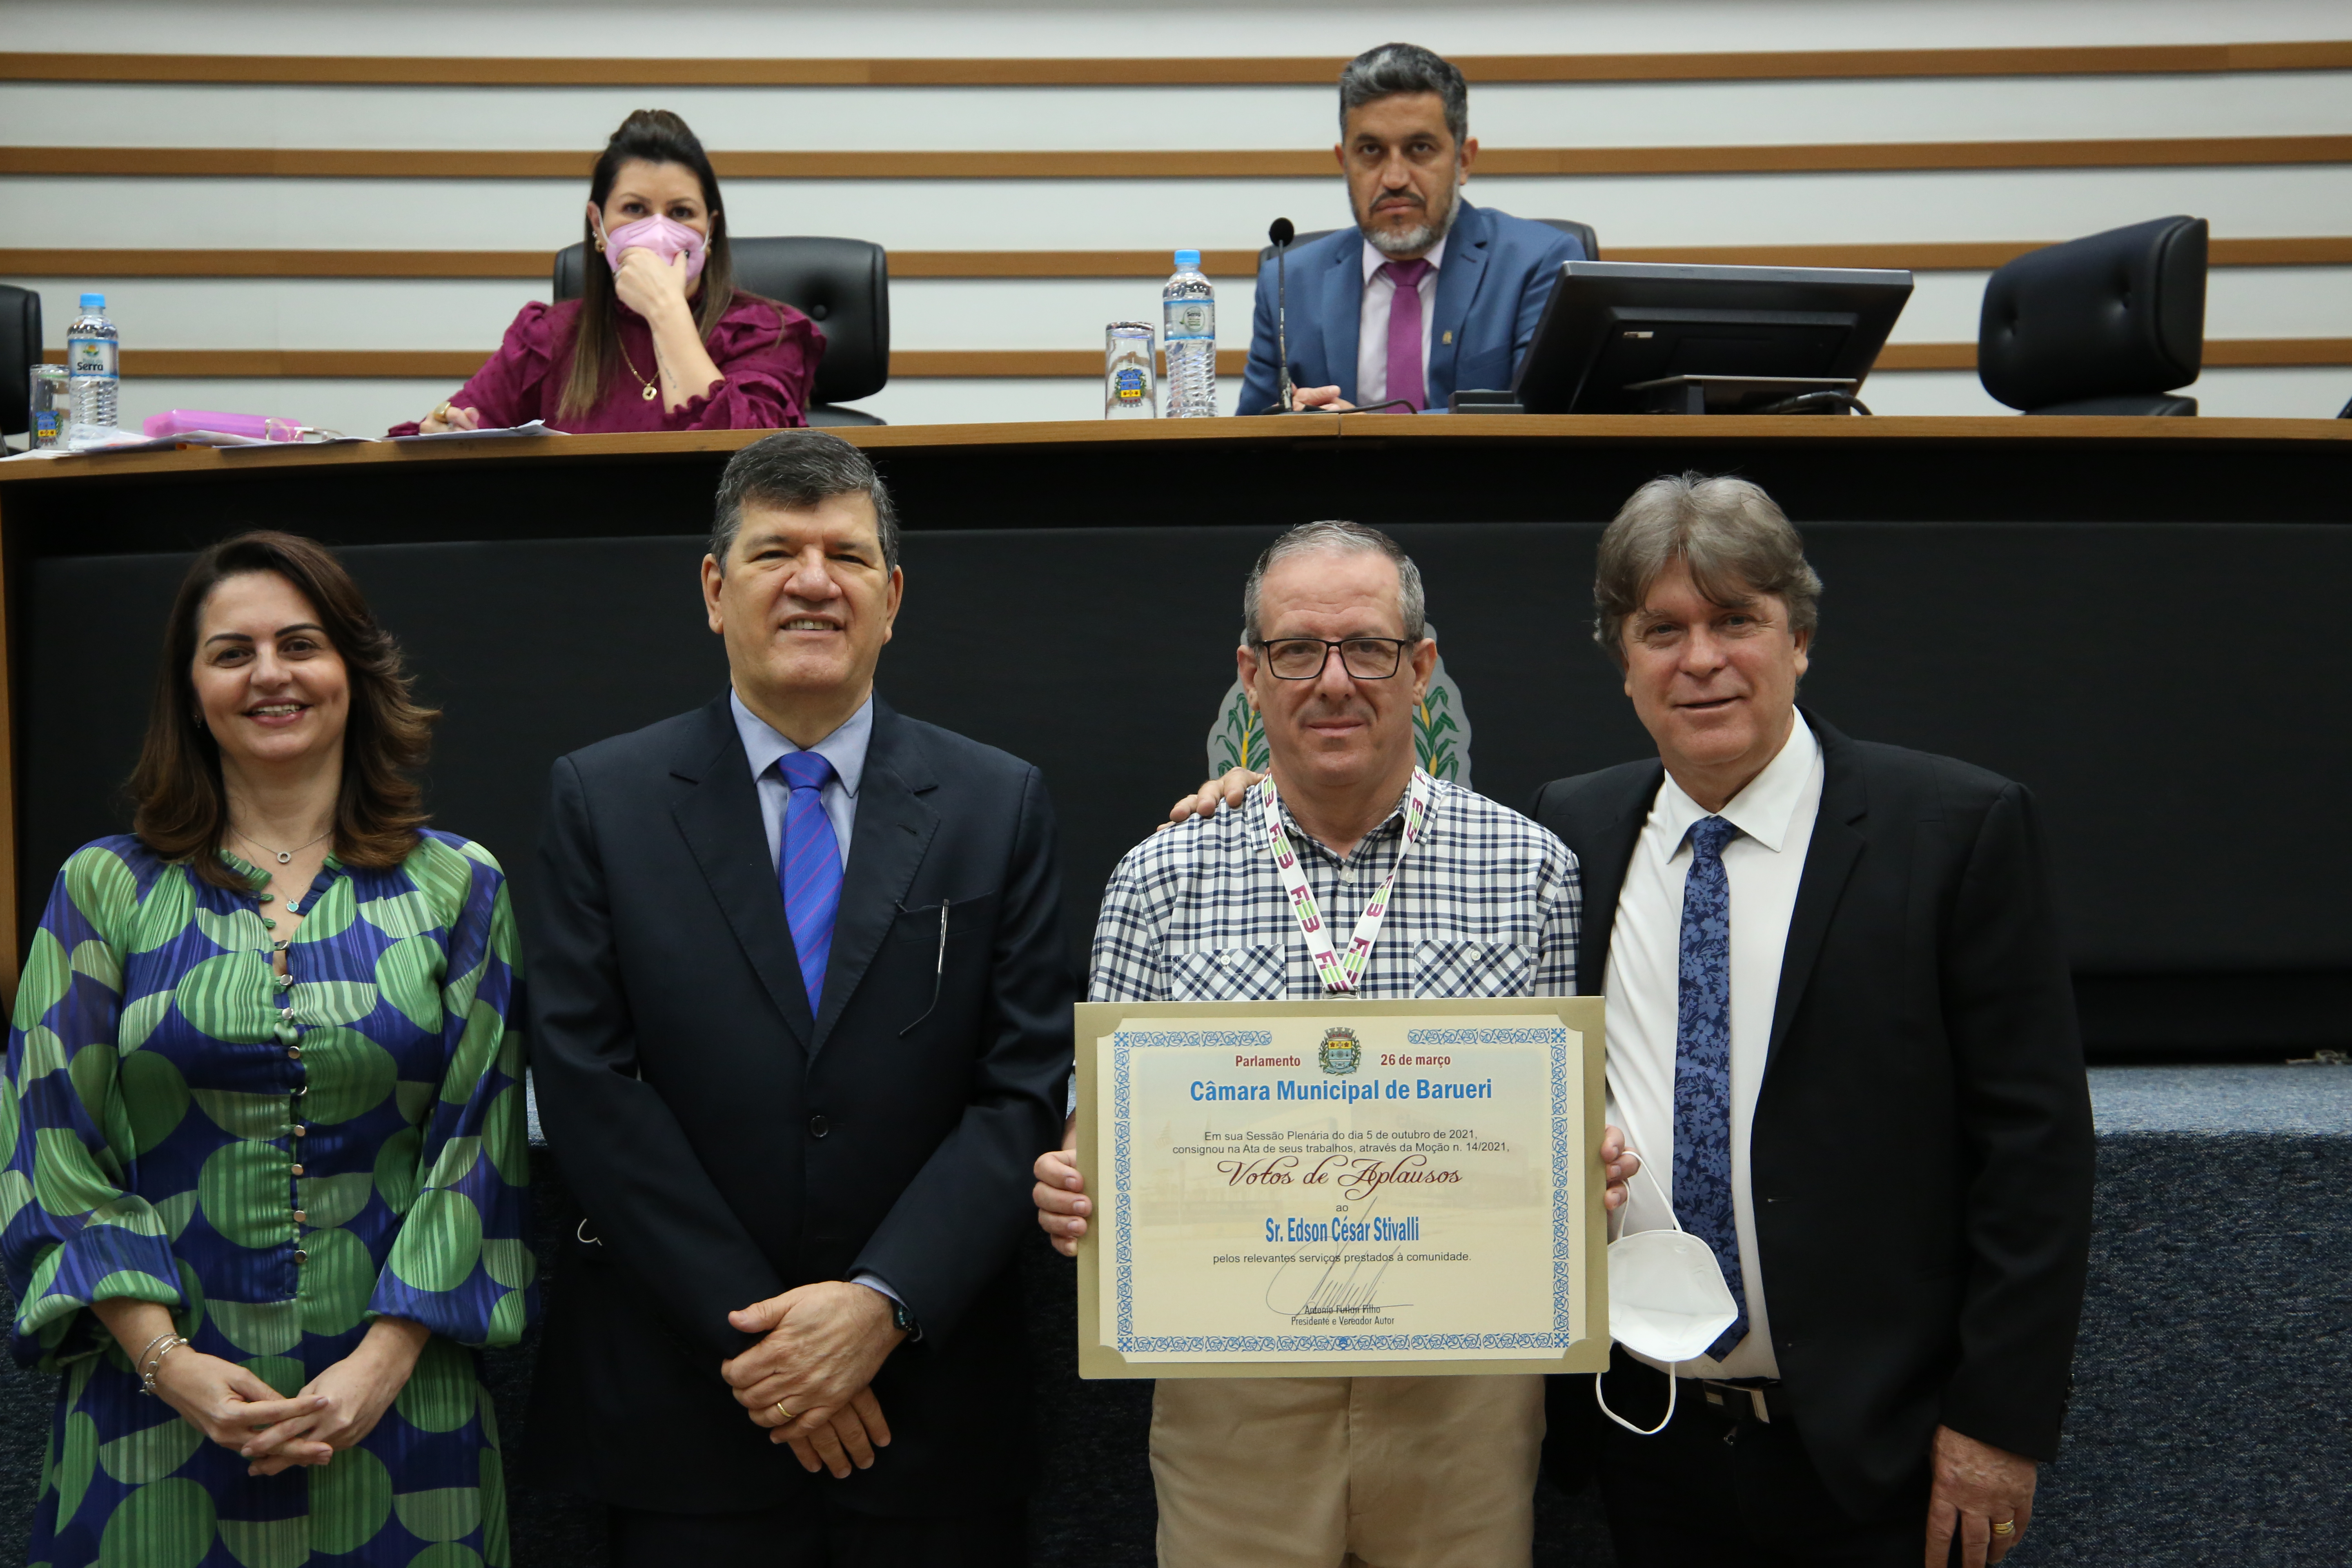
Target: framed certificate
1341	1188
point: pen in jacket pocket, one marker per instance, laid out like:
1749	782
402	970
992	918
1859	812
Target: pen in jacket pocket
939	968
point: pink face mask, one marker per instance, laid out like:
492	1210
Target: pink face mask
665	237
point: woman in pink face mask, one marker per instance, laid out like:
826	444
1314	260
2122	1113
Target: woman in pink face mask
660	338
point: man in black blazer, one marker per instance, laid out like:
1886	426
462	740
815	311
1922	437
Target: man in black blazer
1898	994
800	1010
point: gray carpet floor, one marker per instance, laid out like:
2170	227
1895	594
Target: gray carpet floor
2208	1422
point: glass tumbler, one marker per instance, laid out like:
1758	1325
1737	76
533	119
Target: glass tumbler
52	405
1128	390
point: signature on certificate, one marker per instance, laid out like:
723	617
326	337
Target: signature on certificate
1345	1283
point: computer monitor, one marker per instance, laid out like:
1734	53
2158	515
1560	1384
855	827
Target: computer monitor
1754	333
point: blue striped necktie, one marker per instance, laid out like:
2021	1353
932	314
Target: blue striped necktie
1703	1066
808	867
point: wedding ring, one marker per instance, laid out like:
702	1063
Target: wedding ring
784	1413
2006	1526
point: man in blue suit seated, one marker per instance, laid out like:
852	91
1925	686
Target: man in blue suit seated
1426	293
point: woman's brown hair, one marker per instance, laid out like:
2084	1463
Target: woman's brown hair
653	136
182	810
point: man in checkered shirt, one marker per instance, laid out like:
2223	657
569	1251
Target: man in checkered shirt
1401	1472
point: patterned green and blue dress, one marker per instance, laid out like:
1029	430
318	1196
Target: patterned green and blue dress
279	1161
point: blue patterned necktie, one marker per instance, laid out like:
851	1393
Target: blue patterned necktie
1703	1066
808	867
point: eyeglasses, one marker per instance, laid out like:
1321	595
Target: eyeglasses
1304	658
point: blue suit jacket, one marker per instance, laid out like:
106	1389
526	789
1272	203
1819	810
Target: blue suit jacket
1498	271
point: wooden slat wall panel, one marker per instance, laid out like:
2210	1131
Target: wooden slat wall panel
443	364
1753	66
1267	163
486	158
2316	250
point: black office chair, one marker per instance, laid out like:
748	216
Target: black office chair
842	285
2107	324
1582	231
20	350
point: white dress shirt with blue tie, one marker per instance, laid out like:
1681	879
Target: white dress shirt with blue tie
1764	863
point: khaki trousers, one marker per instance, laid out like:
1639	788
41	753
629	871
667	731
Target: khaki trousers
1380	1472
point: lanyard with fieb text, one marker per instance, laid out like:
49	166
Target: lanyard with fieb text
1340	975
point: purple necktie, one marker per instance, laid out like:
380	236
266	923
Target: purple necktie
808	867
1406	379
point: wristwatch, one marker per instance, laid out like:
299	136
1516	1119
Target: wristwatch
902	1319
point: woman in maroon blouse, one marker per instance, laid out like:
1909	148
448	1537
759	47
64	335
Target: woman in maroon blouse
660	339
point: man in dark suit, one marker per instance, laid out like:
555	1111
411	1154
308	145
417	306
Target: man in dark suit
1426	293
1811	941
800	1009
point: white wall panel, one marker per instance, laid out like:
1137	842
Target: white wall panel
984	215
1048	215
1042	312
1963	205
292	312
727	119
473	314
1942	309
2302	392
946	402
1928	392
354	407
2279	303
1584	114
2240	303
310	313
369	407
925	28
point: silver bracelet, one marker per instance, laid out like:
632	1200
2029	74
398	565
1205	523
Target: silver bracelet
148	1371
141	1359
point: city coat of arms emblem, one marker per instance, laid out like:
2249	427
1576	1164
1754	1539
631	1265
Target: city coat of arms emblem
1340	1051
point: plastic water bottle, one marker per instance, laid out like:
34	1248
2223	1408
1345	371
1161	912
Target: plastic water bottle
1189	332
92	359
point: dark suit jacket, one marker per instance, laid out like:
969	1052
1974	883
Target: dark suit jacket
1498	271
725	1146
1921	1156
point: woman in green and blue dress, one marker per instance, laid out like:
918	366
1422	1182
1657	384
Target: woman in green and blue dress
263	1117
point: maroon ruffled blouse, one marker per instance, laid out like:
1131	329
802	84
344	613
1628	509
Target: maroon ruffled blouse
767	352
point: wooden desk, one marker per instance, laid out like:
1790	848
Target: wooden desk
2131	615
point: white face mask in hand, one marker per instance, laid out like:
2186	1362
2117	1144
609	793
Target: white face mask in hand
1667	1301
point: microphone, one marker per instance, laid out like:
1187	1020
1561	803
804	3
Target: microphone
1281	234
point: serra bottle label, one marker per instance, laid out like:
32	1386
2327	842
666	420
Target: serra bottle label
90	356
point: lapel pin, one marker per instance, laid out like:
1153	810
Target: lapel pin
1449	337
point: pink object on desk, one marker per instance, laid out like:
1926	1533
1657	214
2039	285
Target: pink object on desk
253	427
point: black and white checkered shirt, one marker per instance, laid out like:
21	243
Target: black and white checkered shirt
1488	905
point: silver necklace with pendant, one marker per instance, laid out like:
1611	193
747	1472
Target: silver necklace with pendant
285	856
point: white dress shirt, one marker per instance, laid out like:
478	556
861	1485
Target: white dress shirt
844	749
1373	329
1763	863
